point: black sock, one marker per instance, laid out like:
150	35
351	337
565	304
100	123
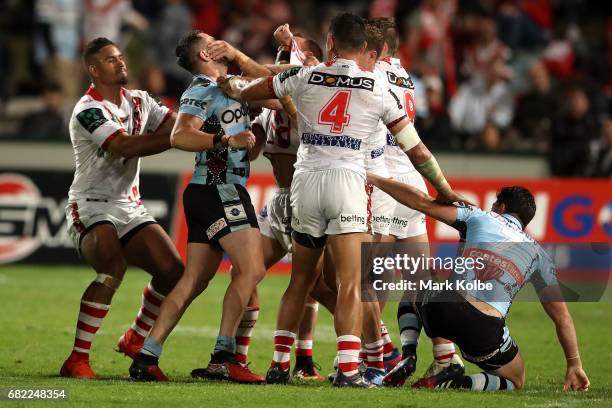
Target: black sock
146	359
301	361
221	356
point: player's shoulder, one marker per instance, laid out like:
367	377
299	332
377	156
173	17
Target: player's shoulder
295	72
469	211
200	92
394	74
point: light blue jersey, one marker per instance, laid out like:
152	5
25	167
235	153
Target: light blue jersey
511	257
220	114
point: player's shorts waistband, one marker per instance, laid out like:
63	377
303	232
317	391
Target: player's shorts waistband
283	191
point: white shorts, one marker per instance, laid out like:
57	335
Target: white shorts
83	214
329	202
275	218
407	222
383	208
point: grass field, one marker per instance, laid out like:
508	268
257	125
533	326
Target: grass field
37	328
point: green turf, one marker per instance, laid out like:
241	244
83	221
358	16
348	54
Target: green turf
40	305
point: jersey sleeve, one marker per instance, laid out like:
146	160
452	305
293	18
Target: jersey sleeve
100	127
465	216
199	101
393	107
158	113
287	82
546	274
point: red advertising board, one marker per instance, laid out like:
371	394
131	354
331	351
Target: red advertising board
568	210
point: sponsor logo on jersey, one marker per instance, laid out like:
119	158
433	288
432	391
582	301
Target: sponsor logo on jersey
341	81
334	141
215	228
91	119
352	219
391	139
235	115
288	73
403	82
381	219
377	152
198	103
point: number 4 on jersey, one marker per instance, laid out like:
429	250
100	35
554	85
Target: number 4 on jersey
334	112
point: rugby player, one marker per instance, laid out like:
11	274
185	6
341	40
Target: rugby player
475	319
394	222
276	130
111	127
219	214
339	105
280	146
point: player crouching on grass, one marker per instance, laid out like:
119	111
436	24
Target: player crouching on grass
475	320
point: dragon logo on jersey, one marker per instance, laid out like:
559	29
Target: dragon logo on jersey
91	119
400	81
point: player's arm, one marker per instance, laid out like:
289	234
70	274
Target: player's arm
575	377
258	89
415	199
129	146
260	140
422	159
186	135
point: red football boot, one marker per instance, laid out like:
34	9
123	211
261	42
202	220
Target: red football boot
129	343
77	366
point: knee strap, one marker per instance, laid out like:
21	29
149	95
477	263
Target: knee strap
109	281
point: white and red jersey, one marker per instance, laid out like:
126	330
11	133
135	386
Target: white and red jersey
339	106
93	125
401	87
281	135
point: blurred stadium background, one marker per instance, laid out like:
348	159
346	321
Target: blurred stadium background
509	91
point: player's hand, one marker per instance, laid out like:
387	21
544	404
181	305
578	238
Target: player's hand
283	35
450	197
371	178
242	140
226	85
219	50
576	380
310	60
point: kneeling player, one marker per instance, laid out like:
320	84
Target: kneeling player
475	320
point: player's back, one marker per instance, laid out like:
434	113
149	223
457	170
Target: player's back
510	255
339	107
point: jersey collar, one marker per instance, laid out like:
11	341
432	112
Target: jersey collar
513	220
93	92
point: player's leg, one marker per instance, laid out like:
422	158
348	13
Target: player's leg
483	339
244	249
345	251
272	253
150	248
202	263
305	367
306	254
371	353
100	248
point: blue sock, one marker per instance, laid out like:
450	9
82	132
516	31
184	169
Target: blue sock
151	348
225	343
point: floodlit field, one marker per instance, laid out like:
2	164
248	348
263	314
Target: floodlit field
40	307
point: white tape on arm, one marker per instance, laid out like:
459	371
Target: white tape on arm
408	137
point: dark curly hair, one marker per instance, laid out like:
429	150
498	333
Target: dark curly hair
518	200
